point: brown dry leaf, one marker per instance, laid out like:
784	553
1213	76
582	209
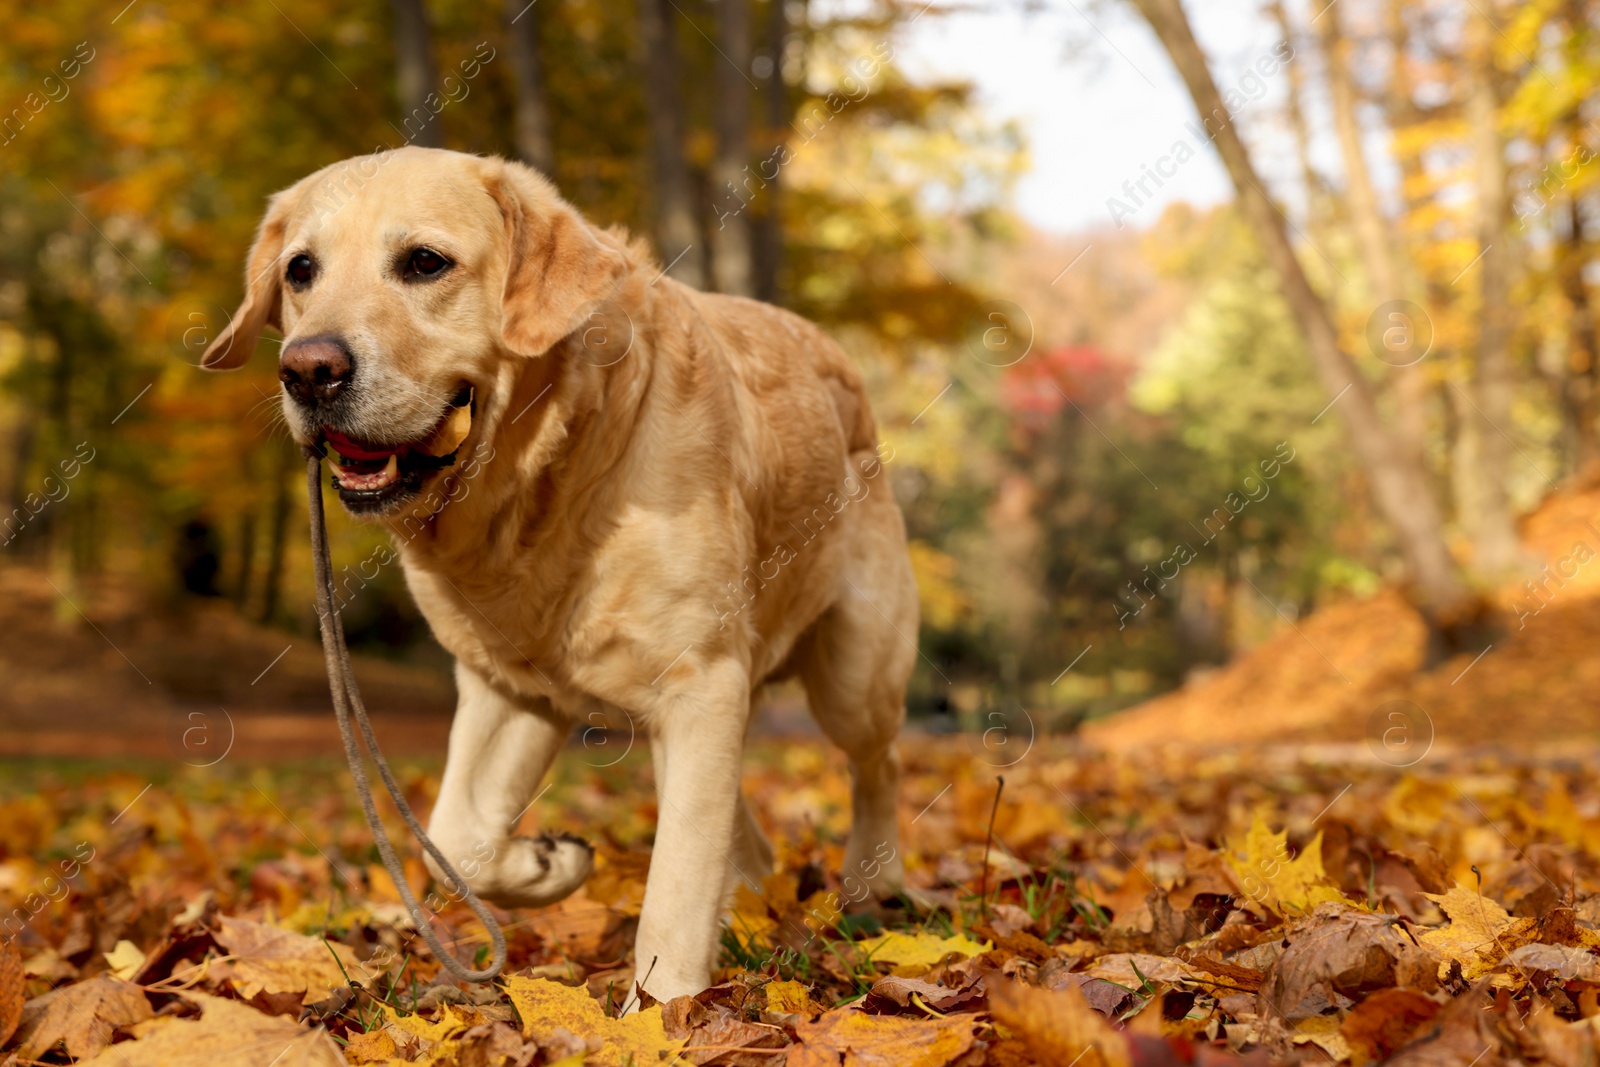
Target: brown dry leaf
11	996
717	1035
1231	976
227	1034
1134	969
82	1015
901	991
1383	1022
1338	948
1462	1034
494	1044
576	925
1059	1027
856	1039
276	960
545	1007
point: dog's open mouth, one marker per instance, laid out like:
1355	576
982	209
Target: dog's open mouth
370	475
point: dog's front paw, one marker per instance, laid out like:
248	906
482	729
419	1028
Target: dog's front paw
530	872
542	870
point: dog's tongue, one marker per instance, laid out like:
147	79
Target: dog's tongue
357	450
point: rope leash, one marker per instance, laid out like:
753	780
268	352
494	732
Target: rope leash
347	697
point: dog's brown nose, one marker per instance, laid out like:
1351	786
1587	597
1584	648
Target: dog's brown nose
316	368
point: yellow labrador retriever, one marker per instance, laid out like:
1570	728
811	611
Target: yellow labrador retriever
610	493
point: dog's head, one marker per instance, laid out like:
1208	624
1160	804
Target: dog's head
402	283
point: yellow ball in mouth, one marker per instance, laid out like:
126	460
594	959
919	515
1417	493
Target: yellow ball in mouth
449	434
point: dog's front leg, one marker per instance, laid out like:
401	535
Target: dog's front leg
697	740
499	752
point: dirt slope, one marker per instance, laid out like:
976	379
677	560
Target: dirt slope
1336	675
122	678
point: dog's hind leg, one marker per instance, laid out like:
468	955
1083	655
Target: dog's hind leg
499	752
855	666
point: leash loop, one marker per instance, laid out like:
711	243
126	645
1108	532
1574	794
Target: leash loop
347	701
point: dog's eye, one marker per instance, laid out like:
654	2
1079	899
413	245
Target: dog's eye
424	263
300	272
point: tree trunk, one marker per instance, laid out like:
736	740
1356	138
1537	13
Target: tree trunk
415	75
677	237
1297	120
1496	548
240	593
1579	385
768	221
732	187
278	535
533	141
1381	249
1399	487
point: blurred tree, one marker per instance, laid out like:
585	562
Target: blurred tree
677	235
1400	488
732	266
416	76
527	68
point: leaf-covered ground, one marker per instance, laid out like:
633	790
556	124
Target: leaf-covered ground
1284	904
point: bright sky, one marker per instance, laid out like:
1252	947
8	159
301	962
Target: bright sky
1099	100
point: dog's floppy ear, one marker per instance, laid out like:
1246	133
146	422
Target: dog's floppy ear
558	267
263	293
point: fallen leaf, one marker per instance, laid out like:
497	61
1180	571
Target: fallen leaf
125	960
1479	934
1383	1022
227	1034
1273	879
857	1039
1059	1027
374	1046
1134	970
1569	963
1338	949
922	949
718	1036
897	990
449	1023
276	960
789	998
1322	1031
83	1016
12	979
545	1006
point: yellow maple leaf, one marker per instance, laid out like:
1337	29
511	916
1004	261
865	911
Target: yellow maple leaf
1479	934
1322	1031
545	1006
1272	878
450	1023
750	922
914	954
789	998
125	960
